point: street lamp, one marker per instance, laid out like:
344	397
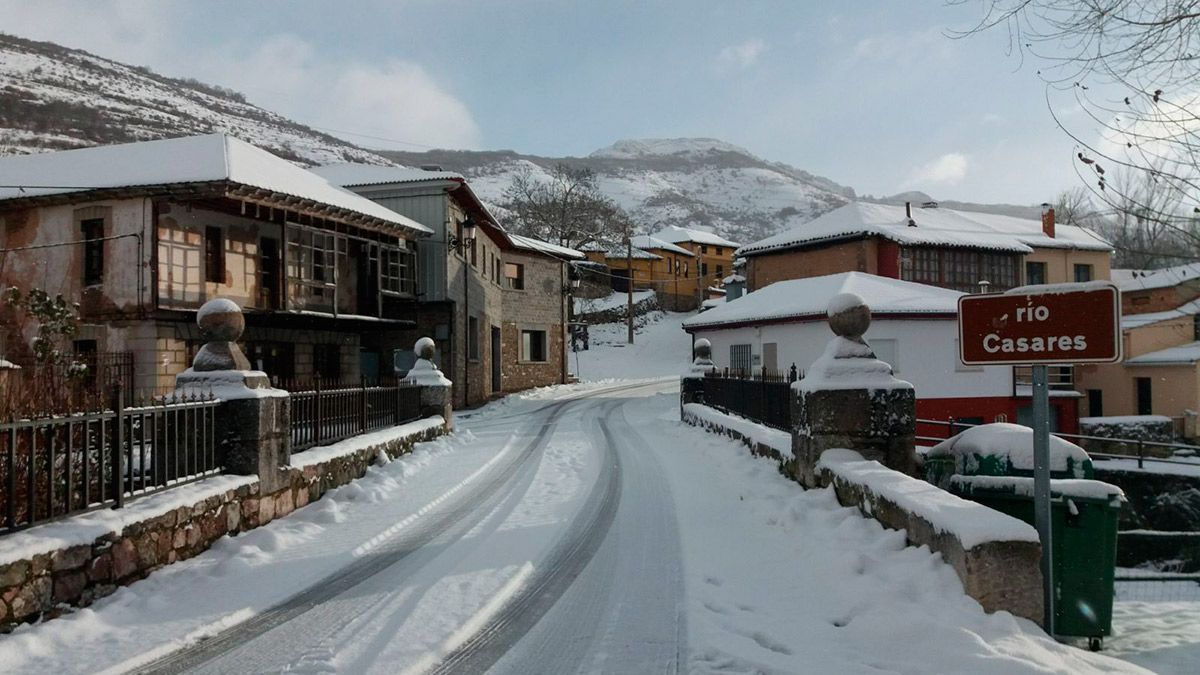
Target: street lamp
460	244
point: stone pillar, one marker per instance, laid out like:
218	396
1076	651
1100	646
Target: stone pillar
436	396
850	399
253	424
691	384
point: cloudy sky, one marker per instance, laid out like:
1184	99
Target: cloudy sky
869	93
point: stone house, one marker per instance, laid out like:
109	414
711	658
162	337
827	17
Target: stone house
930	245
477	274
141	234
914	328
714	253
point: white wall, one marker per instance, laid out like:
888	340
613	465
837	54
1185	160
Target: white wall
926	353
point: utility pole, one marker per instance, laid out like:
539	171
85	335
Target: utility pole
629	285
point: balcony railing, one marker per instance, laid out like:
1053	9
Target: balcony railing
1059	378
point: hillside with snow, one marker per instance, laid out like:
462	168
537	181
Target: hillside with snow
684	181
56	98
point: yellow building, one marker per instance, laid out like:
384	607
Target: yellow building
657	265
714	253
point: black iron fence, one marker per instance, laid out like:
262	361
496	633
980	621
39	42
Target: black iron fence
324	415
762	395
935	431
57	466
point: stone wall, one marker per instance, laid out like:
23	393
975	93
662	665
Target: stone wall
160	530
540	306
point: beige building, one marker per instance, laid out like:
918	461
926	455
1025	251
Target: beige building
142	234
930	245
714	253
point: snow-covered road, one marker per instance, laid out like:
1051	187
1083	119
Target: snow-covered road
570	530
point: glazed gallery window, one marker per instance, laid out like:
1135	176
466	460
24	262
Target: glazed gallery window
533	345
214	255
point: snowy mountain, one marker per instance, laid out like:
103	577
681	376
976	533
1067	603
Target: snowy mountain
682	181
54	98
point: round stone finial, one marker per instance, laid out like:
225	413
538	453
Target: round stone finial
849	316
702	349
221	320
425	348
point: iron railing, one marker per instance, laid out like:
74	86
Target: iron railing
1058	378
58	466
761	395
326	415
1148	586
1130	448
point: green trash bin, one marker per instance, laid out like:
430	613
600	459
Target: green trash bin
992	464
1083	521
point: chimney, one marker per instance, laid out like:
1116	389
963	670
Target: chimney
908	214
1048	220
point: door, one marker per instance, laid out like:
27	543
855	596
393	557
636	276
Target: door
1095	402
496	370
770	359
1144	405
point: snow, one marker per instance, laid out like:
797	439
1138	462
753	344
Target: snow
553	250
1176	467
678	235
1181	354
1141	280
611	301
1186	310
656	147
1006	440
8	365
935	227
193	159
660	348
842	302
1059	289
317	455
1126	419
808	299
225	385
217	306
1023	486
619	252
425	373
970	523
780	441
846	364
733	279
352	174
648	243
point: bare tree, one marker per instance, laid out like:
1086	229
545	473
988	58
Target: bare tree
1133	68
568	209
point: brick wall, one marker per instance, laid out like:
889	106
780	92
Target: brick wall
48	584
850	256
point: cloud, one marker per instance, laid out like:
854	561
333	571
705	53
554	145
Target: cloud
741	55
948	169
394	98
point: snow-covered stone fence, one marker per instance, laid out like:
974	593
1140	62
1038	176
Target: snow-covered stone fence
849	399
47	569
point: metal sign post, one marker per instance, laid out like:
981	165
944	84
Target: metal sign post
1041	490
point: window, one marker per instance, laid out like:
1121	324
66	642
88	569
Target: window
1083	273
1196	327
514	276
474	253
397	271
533	345
703	248
720	271
93	251
740	358
214	255
327	361
1095	398
1035	272
703	269
473	338
720	251
676	265
685	270
887	351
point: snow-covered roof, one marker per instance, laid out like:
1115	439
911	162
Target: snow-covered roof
733	279
594	246
553	250
1138	320
676	235
648	242
192	159
1182	354
934	227
353	174
617	252
1142	280
809	298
